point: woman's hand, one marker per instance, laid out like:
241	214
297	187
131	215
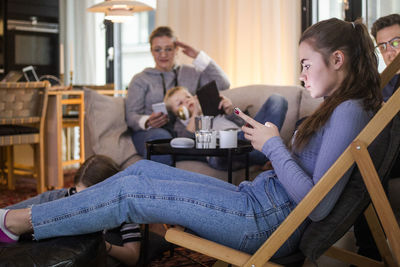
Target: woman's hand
187	50
156	120
256	132
226	105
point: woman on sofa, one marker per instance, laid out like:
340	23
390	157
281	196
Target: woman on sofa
179	100
149	87
338	63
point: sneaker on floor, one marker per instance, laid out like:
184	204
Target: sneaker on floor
6	236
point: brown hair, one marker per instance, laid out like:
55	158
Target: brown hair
170	93
362	79
96	169
160	32
384	22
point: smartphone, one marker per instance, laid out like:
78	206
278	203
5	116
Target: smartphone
30	74
160	107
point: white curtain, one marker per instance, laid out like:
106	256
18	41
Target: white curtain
254	41
83	35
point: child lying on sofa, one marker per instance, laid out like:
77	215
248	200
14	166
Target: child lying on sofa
180	102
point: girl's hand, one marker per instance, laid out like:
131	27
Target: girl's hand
256	132
187	49
226	105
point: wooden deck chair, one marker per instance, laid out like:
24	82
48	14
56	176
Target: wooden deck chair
320	236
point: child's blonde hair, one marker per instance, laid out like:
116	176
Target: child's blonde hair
170	93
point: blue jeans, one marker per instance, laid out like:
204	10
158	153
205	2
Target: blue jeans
39	199
273	110
241	217
140	138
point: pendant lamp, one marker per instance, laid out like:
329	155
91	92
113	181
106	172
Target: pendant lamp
119	10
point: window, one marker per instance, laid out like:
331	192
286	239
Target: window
135	49
370	10
375	9
127	48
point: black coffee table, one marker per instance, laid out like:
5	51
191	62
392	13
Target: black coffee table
162	147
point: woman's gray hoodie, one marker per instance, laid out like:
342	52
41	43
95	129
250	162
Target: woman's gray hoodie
146	87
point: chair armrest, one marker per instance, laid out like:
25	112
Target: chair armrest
206	247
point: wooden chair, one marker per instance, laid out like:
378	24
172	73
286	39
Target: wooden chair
320	236
22	114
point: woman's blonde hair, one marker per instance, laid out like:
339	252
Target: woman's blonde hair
160	32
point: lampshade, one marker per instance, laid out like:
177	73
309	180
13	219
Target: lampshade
117	10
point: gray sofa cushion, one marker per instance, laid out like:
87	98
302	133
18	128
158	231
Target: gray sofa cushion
106	129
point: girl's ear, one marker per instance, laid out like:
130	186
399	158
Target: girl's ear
337	59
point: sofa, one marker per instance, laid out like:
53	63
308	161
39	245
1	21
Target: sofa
107	133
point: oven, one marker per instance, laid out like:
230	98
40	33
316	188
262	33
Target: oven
32	43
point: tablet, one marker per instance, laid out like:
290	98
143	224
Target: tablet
209	99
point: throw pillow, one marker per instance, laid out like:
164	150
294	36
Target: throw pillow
106	128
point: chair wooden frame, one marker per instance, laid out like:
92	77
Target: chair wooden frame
38	142
357	153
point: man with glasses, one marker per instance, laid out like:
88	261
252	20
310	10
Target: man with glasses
386	31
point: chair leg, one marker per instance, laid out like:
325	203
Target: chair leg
10	167
3	156
379	235
68	141
378	197
39	167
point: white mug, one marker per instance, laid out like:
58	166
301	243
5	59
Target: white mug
228	138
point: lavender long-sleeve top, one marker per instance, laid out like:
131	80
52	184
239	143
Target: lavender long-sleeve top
299	172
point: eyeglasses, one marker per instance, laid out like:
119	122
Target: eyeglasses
167	50
394	43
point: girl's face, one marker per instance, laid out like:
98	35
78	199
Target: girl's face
319	79
182	98
164	50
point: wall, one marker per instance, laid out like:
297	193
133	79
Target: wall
253	41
